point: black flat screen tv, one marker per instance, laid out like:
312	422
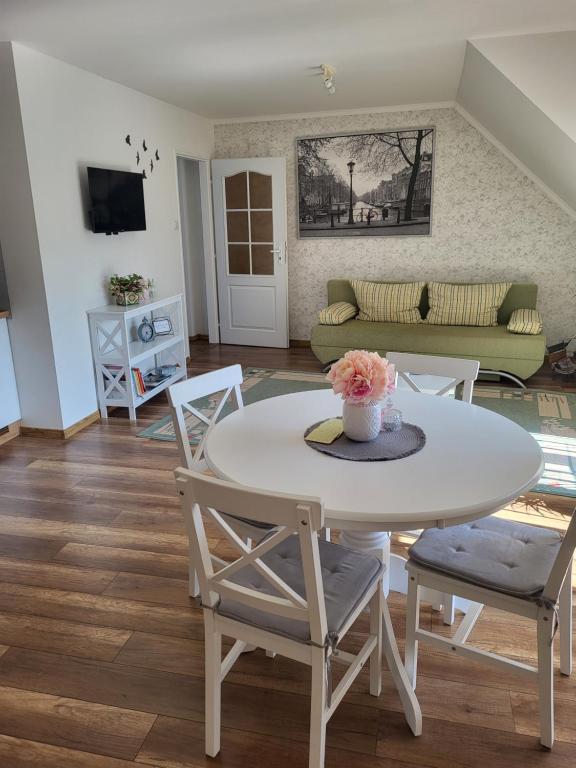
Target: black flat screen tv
116	201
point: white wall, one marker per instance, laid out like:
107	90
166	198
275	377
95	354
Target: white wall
543	68
30	324
192	245
489	221
71	119
519	124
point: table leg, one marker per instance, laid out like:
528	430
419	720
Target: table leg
408	698
379	544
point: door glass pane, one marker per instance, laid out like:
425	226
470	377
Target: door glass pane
261	227
260	190
262	259
236	191
239	259
237	222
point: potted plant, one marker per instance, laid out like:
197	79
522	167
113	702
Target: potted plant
128	289
363	379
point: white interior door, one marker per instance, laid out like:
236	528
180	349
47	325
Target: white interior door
250	238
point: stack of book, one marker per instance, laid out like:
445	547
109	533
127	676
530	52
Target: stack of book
138	381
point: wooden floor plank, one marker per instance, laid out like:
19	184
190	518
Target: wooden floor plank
58	636
29	547
180	744
454	745
54	530
151	589
525	708
76	469
62	509
73	723
165	521
101	611
171	654
129	560
23	753
41	574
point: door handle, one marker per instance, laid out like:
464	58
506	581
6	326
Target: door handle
278	251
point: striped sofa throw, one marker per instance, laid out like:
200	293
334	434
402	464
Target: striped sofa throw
337	313
452	304
388	302
528	321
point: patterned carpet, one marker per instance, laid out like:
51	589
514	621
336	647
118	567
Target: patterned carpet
549	416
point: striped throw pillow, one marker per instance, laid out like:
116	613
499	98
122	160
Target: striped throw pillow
527	321
452	304
388	302
337	313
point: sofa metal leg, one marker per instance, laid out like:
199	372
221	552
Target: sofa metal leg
504	375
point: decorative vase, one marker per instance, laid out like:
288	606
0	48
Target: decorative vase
361	421
127	299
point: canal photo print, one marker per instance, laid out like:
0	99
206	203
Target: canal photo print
366	185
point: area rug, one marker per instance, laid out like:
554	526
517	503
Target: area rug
549	416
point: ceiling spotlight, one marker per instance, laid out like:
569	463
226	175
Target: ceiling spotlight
329	77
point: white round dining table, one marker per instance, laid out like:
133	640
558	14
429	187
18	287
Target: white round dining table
474	462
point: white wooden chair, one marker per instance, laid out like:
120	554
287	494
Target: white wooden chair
514	567
184	393
181	397
455	370
292	594
440	376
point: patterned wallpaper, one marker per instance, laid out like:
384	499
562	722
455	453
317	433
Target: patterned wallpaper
489	221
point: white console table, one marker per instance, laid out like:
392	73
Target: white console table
116	350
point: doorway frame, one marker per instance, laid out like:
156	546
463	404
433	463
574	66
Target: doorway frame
211	285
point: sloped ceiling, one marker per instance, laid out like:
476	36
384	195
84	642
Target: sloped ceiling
522	91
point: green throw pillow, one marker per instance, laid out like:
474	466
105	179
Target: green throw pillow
527	321
455	304
388	302
337	313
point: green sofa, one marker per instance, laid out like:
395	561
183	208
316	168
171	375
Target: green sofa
496	348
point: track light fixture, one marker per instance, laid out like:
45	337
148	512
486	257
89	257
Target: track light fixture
329	78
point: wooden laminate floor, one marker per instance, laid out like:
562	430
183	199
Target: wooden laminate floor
101	650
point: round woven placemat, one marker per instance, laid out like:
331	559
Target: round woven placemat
386	447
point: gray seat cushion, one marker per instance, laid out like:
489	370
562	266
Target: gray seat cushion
508	557
346	576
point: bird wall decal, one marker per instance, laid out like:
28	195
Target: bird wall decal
144	147
137	158
151	165
144	175
128	140
156	155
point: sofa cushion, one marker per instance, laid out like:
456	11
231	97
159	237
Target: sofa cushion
337	313
498	554
525	321
388	302
454	304
520	295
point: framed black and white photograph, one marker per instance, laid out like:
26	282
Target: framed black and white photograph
366	184
162	326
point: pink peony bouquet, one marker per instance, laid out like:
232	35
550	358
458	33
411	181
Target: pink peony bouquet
362	377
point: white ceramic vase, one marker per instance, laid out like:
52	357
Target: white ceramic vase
361	421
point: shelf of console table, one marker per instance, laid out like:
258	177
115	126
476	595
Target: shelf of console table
116	350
